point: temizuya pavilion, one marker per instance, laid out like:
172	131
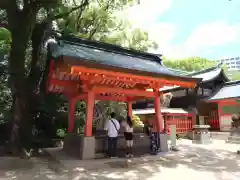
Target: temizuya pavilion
87	71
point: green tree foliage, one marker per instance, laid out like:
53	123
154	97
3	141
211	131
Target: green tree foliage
235	75
189	64
5	40
102	23
137	122
5	96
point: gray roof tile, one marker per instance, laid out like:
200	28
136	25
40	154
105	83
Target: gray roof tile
113	56
229	91
206	75
109	58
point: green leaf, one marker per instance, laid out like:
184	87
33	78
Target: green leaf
99	22
189	64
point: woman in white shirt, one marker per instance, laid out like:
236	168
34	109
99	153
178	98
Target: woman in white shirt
128	133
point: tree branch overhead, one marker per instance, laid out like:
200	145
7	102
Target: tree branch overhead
81	7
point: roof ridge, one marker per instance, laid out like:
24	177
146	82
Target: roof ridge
181	72
218	66
231	83
176	70
110	48
227	91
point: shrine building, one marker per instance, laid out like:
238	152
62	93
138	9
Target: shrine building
85	70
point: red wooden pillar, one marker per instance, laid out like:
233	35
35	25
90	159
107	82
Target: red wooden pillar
219	106
71	114
158	116
89	113
129	106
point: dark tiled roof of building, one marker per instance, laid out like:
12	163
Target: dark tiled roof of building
178	71
210	73
230	90
111	56
206	75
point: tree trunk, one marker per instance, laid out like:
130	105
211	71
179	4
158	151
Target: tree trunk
21	126
21	28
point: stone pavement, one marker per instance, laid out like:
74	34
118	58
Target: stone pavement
217	161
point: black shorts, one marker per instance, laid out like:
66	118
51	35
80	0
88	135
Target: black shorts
128	136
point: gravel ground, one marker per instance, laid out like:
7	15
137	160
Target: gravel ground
217	161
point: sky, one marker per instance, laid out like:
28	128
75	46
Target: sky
184	28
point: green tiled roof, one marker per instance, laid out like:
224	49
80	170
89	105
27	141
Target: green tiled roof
97	53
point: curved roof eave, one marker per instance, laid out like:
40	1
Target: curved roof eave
211	74
105	56
218	73
230	90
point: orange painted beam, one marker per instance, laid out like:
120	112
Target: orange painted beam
133	92
69	92
161	81
225	101
65	75
111	98
101	77
133	99
64	83
81	97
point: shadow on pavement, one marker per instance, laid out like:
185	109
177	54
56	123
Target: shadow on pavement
195	158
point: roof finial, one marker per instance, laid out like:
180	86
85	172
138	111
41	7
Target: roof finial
220	63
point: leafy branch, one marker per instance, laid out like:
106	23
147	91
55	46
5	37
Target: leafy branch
81	7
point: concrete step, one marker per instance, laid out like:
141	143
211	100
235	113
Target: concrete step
220	135
232	142
100	155
234	137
